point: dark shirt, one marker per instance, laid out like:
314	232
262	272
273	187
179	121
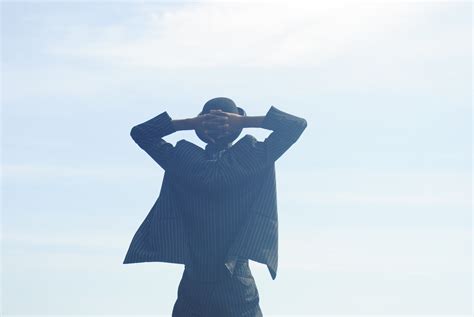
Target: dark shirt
214	209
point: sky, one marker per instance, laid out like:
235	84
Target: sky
374	199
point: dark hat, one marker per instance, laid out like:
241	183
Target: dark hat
226	105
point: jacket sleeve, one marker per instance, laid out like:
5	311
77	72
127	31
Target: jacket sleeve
148	135
286	128
251	157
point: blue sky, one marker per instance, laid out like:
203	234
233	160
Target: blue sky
378	187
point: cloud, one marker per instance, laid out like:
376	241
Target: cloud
259	34
300	49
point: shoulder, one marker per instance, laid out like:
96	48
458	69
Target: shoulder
246	139
186	151
247	146
183	143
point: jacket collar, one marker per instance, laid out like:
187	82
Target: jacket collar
214	152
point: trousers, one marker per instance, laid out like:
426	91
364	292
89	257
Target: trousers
226	296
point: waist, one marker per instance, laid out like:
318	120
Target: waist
212	273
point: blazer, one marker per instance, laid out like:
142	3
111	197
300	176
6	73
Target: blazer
166	234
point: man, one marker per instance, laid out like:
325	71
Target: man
217	206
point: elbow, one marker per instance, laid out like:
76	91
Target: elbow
300	126
303	124
135	133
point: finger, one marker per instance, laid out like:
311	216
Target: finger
215	118
215	122
212	125
217	115
223	126
220	120
218	112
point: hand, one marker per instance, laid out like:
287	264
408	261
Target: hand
231	122
210	125
218	124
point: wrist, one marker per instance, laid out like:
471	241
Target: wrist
195	122
184	124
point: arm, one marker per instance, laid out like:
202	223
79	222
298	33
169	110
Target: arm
286	129
185	124
148	135
251	156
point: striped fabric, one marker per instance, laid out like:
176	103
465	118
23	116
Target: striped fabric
213	212
230	296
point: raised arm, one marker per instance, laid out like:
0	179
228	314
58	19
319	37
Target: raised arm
149	134
250	156
286	128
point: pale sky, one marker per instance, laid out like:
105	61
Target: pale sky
374	199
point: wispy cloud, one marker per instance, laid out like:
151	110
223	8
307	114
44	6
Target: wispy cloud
264	34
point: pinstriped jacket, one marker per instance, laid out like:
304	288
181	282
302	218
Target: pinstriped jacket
248	165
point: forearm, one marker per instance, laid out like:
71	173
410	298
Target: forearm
184	124
252	121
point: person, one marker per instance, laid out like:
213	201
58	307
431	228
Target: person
217	206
